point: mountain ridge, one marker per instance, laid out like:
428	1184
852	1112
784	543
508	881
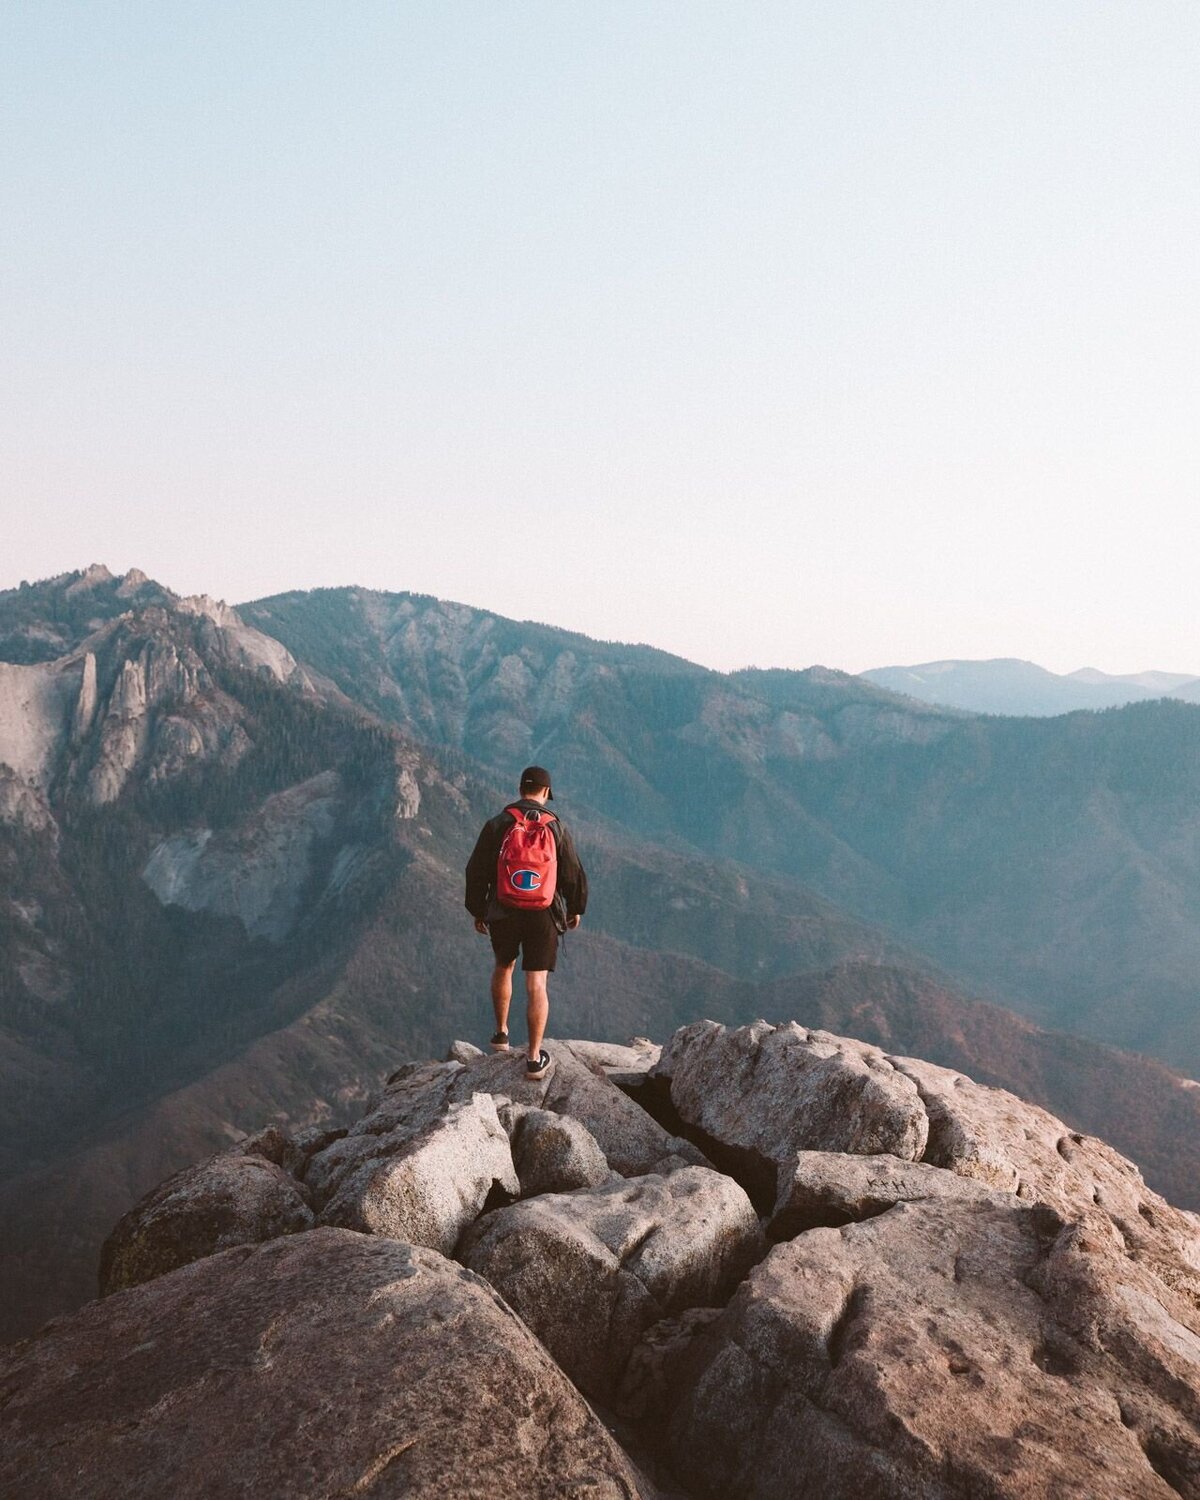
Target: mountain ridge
1012	686
960	834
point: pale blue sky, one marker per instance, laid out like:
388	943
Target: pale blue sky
845	332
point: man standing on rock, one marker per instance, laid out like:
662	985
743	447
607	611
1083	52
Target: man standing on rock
525	885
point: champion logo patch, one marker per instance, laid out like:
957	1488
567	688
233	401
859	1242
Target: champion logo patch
525	880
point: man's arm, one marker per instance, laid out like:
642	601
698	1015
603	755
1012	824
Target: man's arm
481	872
572	880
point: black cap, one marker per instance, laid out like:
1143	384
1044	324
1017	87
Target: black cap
534	776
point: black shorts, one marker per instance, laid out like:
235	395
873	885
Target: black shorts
532	932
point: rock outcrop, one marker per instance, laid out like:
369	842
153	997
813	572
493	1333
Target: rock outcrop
765	1092
23	804
943	1349
135	695
415	1098
37	707
432	1186
578	1087
627	1065
833	1188
239	643
85	707
256	871
239	1197
590	1271
324	1364
947	1295
554	1153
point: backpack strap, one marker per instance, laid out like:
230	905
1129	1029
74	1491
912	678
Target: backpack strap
520	815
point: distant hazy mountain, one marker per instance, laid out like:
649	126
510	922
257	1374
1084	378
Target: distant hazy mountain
1006	685
1162	684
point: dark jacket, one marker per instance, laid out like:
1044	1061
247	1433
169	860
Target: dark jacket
571	890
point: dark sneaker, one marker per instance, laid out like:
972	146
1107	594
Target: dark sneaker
537	1067
499	1042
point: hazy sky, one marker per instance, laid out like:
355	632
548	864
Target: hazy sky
846	332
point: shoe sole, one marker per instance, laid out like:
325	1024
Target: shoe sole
499	1046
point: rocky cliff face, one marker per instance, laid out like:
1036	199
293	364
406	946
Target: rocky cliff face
766	1262
136	698
193	830
41	622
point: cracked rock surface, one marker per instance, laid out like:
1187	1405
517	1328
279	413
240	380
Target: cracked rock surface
831	1188
433	1185
590	1271
554	1153
964	1298
776	1090
324	1364
238	1197
944	1349
633	1143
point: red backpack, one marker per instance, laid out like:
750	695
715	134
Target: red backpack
527	869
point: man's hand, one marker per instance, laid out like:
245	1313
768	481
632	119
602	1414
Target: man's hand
481	927
573	922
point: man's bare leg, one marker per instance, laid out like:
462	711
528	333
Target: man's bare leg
538	1010
502	992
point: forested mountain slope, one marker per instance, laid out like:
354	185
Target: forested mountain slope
1052	863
